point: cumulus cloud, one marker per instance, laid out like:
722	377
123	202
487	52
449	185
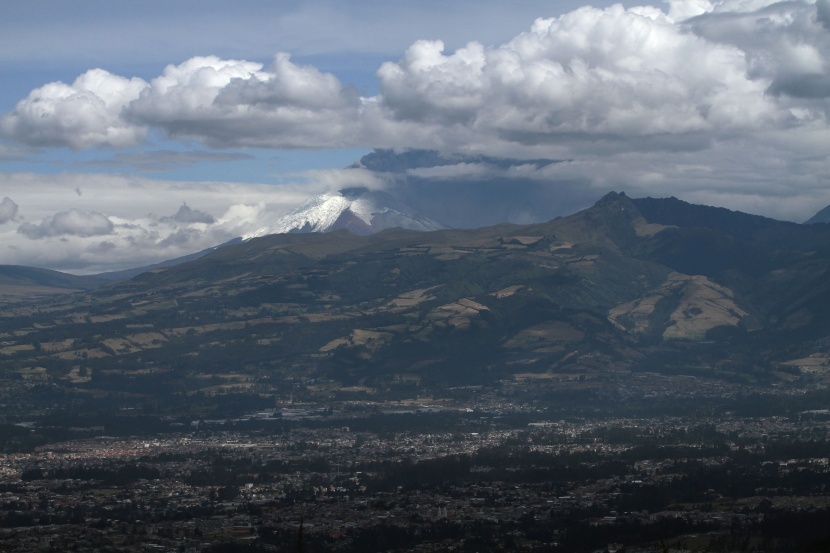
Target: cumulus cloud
220	102
786	44
234	102
85	114
612	74
69	223
618	79
8	210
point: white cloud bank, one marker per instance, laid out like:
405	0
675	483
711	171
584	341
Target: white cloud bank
86	114
95	223
625	77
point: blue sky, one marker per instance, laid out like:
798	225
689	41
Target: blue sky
125	111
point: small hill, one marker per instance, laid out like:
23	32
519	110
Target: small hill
20	281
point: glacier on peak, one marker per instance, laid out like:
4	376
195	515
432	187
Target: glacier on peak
359	210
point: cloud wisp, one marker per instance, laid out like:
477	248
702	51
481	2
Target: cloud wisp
165	160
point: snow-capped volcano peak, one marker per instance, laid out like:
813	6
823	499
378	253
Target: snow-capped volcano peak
359	210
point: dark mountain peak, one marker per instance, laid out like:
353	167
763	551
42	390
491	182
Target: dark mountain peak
823	216
613	223
612	198
616	205
618	218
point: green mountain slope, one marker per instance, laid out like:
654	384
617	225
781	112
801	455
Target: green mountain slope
603	292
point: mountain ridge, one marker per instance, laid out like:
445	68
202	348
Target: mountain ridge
615	224
601	291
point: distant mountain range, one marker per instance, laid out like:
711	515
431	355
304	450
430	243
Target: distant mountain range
427	190
362	212
627	285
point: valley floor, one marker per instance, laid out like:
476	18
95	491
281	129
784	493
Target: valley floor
491	475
